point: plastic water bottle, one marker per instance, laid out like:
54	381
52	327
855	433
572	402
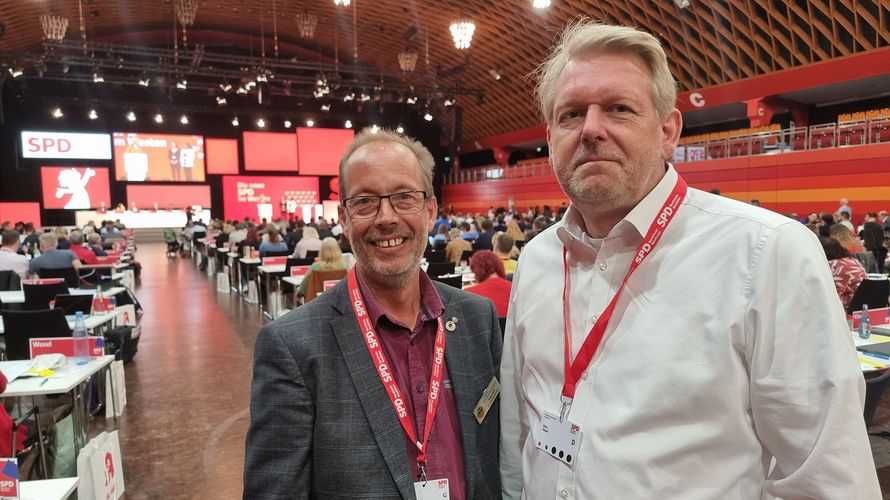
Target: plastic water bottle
864	323
81	340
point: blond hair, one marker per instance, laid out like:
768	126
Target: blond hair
585	39
330	255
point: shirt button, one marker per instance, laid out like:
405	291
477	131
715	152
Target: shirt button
594	318
419	387
584	376
603	266
564	493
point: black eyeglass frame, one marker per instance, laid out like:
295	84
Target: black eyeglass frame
380	203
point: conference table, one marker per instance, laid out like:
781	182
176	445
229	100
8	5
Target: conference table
267	271
48	489
69	378
92	322
18	296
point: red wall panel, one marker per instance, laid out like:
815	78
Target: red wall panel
222	156
273	151
28	211
168	197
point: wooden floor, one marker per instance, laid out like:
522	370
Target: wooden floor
188	389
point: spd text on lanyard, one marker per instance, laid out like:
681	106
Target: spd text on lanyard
575	369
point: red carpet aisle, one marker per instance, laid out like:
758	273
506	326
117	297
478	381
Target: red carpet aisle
188	389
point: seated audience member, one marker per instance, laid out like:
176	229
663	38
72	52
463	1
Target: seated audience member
845	221
110	232
32	239
199	230
295	234
273	243
515	231
52	257
95	242
309	241
85	255
468	232
441	237
873	240
539	225
330	258
848	272
489	271
252	240
483	242
457	246
843	235
827	222
10	259
504	250
238	234
223	237
324	230
62	234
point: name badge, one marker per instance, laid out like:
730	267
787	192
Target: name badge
558	439
434	489
487	399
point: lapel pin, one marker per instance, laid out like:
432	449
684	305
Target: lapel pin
451	324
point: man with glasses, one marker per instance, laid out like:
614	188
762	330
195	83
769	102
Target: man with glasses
384	386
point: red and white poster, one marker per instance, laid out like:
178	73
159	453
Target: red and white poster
269	197
66	145
65	346
158	157
75	188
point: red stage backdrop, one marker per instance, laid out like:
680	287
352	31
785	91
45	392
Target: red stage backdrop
270	151
251	196
158	157
77	188
168	197
320	149
222	156
13	212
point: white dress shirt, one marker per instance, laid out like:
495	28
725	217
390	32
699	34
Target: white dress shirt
728	349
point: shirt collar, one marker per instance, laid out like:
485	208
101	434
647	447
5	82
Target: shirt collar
571	227
431	305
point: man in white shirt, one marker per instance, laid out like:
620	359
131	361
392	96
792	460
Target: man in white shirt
724	368
10	259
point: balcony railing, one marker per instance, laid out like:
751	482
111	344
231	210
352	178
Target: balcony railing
827	135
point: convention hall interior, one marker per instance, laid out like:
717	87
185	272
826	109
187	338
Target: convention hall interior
166	138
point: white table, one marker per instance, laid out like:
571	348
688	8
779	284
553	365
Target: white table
68	379
267	271
18	296
293	280
48	489
866	362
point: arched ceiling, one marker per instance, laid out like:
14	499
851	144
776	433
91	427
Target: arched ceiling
708	43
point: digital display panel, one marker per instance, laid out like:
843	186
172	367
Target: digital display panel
28	211
158	157
272	151
320	149
167	197
66	145
260	197
222	156
75	188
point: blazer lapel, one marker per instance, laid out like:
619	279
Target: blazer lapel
373	396
465	391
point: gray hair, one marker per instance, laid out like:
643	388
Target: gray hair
367	136
49	240
94	238
584	39
76	237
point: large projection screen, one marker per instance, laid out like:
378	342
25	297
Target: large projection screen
256	197
271	151
158	157
75	188
320	149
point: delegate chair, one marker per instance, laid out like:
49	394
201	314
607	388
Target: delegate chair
70	304
435	269
69	274
873	293
875	383
9	281
21	326
315	281
38	296
466	254
312	255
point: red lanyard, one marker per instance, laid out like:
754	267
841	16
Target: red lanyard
386	376
575	369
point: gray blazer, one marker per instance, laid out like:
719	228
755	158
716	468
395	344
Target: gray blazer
321	423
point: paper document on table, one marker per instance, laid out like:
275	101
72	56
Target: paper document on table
872	339
15	369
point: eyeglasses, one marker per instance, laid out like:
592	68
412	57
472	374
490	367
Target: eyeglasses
366	207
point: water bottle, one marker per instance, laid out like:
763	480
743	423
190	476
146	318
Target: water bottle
81	340
864	323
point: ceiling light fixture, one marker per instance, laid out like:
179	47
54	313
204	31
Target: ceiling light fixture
342	3
57	113
287	123
462	33
306	22
310	122
221	101
184	120
428	117
54	27
16	72
97	77
159	118
540	4
407	61
400	129
235	122
412	100
131	116
683	4
143	81
92	115
261	123
182	84
375	129
348	124
325	107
